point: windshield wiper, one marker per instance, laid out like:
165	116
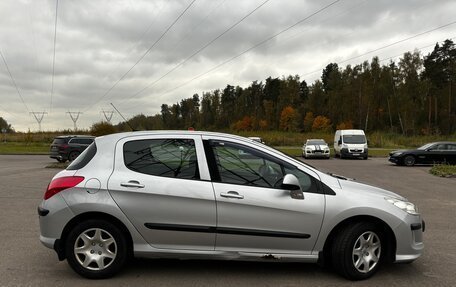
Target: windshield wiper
339	176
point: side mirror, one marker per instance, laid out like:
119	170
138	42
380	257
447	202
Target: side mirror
291	183
339	142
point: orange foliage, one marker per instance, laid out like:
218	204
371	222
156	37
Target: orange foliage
347	125
288	119
321	123
308	121
263	124
244	125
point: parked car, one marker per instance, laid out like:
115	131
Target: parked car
430	153
210	195
65	148
315	148
350	144
258	139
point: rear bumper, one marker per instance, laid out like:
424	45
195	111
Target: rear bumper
58	155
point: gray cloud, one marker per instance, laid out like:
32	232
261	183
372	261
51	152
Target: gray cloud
98	41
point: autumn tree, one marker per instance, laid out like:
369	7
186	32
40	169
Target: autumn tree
321	123
288	119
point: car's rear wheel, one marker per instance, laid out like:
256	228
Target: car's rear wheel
409	160
96	249
357	251
73	155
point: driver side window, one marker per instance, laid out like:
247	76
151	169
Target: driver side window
240	165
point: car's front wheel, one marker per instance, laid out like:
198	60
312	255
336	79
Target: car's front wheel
357	251
409	160
96	249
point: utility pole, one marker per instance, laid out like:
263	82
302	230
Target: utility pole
38	117
74	117
107	115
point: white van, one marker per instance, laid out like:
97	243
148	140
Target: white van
350	143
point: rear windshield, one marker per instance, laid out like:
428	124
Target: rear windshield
354	139
84	158
59	141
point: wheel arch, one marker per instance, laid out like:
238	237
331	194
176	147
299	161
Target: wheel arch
59	246
391	243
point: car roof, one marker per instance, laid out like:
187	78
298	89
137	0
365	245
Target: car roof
118	136
441	143
74	136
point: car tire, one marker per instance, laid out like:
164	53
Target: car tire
73	155
409	160
96	249
365	157
357	251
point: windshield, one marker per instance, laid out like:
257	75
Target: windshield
354	139
426	146
316	142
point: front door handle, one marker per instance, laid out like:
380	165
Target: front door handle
132	183
231	194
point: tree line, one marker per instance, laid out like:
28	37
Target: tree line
413	96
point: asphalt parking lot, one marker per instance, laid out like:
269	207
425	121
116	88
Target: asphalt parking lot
25	262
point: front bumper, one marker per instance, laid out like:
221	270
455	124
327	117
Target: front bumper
350	154
394	159
314	154
409	239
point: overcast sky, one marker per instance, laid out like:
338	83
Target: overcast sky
98	42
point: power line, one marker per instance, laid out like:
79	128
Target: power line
134	46
53	58
251	48
14	82
200	49
145	53
419	49
386	46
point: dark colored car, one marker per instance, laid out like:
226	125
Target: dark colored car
65	148
437	152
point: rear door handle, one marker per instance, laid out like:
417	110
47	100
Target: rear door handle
132	183
231	194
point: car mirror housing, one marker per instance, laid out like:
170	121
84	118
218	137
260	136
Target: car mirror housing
291	183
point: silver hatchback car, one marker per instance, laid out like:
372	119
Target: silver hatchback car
190	195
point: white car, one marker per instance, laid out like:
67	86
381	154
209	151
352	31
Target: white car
257	139
315	148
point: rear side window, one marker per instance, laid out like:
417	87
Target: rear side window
81	141
59	141
84	158
162	157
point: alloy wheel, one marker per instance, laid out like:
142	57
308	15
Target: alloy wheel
95	249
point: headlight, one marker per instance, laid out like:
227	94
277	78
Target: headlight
344	146
397	153
406	206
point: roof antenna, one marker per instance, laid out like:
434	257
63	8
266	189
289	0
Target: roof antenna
128	124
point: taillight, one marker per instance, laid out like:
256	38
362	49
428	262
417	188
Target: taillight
62	183
62	147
